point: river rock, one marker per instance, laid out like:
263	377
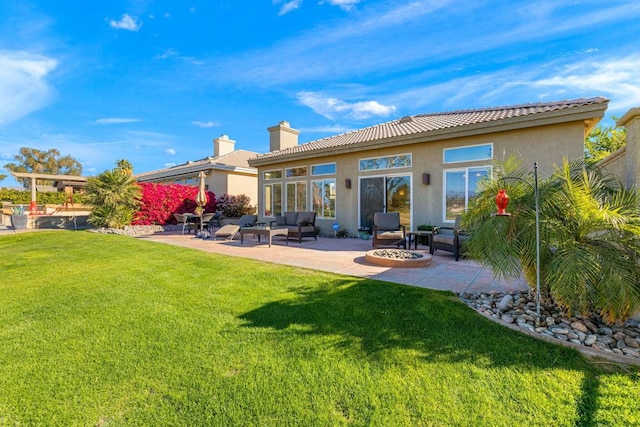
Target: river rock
579	326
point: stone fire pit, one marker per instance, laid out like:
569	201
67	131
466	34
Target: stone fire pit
398	258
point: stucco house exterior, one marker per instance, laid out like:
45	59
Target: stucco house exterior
227	171
424	166
625	162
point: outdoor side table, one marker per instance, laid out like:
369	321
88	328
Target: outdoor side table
418	233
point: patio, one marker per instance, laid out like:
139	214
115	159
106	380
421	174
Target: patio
347	256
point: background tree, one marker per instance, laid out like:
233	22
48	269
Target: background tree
604	140
590	237
32	160
115	197
124	165
2	176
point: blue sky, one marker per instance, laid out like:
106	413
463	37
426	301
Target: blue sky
154	82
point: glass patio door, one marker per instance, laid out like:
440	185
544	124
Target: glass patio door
385	194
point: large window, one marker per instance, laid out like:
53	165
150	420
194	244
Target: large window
323	169
324	198
273	199
296	196
389	162
460	188
273	174
295	172
468	154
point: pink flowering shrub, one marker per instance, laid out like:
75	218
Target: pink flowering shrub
160	201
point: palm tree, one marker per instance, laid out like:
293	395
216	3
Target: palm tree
590	237
124	165
115	197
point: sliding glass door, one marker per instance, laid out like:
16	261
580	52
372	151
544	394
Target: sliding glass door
385	194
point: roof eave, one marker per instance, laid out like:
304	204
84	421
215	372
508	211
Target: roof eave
190	169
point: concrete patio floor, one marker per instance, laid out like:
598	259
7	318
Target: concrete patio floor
347	256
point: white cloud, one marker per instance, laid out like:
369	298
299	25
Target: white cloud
335	129
330	107
169	165
208	124
116	120
170	151
166	15
167	54
23	84
289	7
618	78
127	22
344	4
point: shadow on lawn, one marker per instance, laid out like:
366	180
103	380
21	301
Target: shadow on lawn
374	316
377	316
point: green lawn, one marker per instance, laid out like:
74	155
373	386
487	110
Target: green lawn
100	330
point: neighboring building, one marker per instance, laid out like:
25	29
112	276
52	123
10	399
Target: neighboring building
423	166
228	171
625	161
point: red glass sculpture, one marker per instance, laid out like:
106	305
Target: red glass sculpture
502	199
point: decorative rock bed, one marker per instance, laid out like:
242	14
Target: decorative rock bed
519	309
398	258
131	230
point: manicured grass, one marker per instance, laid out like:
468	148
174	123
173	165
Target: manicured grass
111	330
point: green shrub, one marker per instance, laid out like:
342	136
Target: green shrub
234	206
42	198
589	237
115	197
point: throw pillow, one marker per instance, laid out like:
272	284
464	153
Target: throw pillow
305	218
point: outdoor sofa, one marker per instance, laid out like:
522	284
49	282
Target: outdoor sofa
299	224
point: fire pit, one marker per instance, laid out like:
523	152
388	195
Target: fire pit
398	258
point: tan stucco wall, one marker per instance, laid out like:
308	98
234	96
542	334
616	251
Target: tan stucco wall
547	145
615	164
235	184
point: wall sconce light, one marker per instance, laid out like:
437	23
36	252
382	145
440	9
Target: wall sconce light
347	183
426	179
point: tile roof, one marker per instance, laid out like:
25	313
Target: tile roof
234	159
431	123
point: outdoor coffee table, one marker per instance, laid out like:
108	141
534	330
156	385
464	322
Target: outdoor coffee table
268	232
417	233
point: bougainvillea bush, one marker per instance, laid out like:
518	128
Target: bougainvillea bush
160	201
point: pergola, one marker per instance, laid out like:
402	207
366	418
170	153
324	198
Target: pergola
61	181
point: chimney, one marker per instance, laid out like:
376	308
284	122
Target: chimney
282	136
631	120
222	145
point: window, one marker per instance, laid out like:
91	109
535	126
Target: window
324	198
468	154
460	188
295	172
296	196
390	162
274	174
324	169
273	199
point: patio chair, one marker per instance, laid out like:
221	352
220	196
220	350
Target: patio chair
206	220
230	231
387	230
449	239
183	221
